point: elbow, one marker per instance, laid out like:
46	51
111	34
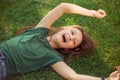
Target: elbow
63	6
66	7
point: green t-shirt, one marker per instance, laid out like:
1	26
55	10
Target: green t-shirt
29	51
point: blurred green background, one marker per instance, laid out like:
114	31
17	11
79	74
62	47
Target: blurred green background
15	14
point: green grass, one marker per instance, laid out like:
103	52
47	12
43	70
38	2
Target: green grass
20	13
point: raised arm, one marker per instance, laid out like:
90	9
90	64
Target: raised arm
66	72
55	13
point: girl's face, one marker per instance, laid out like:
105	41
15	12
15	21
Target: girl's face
67	38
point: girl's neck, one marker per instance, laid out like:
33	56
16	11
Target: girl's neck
49	38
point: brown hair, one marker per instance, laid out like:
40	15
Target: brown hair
85	47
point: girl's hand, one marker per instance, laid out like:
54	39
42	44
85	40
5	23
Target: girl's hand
118	68
115	75
99	13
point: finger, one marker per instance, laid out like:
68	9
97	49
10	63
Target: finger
114	74
102	12
117	76
118	68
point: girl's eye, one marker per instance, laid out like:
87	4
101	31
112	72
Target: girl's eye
72	32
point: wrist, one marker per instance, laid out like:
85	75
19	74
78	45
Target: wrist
93	12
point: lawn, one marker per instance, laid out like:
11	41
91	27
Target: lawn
15	14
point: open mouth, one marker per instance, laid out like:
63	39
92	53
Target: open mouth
64	38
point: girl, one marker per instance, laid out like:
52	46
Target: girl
34	49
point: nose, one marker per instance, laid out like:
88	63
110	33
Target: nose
72	37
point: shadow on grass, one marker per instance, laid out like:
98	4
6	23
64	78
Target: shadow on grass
15	14
92	64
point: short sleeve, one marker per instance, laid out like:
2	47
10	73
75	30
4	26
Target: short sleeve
54	57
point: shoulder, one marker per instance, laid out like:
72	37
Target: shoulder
39	30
